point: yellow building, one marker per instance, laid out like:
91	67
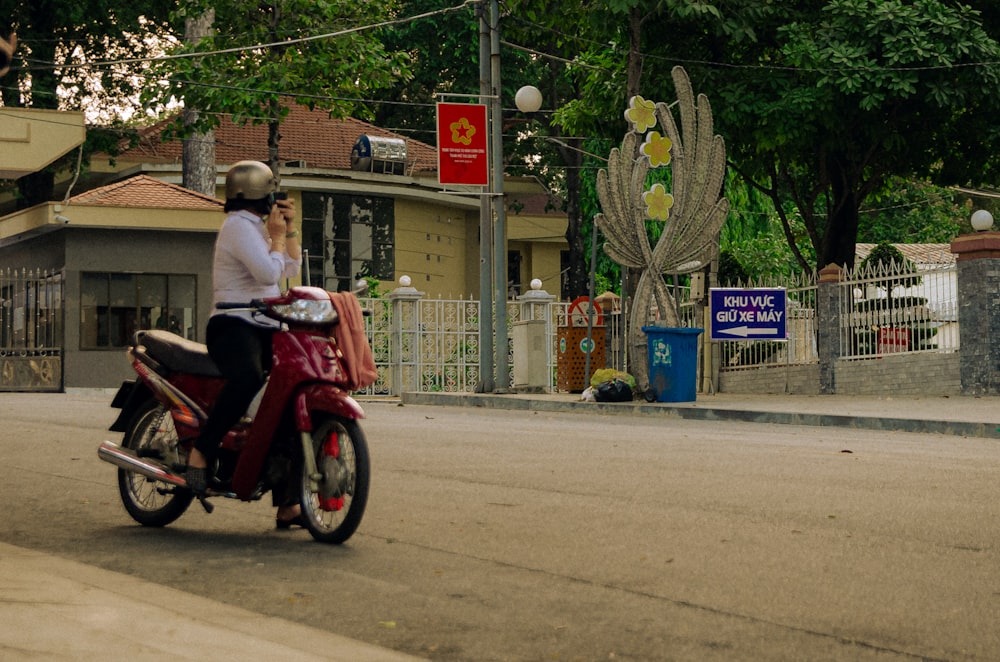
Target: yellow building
131	246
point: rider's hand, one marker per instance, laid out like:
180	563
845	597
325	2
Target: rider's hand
287	208
276	229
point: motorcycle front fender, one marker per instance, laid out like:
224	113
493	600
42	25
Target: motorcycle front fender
325	398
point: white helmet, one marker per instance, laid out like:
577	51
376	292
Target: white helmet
250	180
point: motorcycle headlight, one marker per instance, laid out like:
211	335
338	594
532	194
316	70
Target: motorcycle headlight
309	311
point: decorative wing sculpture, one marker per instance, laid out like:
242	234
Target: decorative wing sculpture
692	214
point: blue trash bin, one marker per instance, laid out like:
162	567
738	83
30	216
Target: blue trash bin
673	359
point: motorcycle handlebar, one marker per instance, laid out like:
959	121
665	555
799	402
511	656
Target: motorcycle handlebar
233	305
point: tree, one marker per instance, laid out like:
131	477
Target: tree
609	47
848	94
319	54
824	104
71	53
443	54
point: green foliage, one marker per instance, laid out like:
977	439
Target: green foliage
912	212
443	53
731	272
890	260
884	255
246	70
850	93
52	33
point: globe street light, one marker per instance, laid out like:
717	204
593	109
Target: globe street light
981	220
528	99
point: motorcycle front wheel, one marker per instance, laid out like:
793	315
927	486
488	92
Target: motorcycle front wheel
333	512
151	435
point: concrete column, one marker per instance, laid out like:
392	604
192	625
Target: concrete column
828	295
532	339
978	257
405	344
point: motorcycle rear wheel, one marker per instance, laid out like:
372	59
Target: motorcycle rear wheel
152	503
333	514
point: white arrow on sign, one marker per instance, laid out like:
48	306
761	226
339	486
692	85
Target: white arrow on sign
744	331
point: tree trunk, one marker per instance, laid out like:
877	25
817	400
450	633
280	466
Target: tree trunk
634	64
577	280
198	169
634	70
841	233
273	140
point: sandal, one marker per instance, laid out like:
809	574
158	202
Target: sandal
288	523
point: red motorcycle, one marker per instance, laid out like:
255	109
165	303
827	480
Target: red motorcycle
303	438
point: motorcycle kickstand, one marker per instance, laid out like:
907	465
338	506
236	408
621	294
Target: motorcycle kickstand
203	500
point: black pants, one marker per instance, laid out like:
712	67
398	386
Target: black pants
242	352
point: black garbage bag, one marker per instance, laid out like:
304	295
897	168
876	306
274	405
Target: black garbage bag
613	390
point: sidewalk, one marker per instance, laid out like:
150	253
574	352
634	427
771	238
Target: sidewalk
52	608
55	609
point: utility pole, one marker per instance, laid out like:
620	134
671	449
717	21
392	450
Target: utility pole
499	208
486	376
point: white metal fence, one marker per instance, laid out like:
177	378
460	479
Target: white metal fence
893	308
432	345
884	309
798	348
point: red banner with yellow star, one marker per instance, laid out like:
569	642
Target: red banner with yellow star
462	140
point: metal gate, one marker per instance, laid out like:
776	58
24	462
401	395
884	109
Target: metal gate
31	330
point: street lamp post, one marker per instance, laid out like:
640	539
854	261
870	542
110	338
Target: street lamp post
494	367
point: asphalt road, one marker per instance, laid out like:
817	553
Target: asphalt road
495	535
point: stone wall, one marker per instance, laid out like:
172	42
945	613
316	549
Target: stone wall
794	379
927	373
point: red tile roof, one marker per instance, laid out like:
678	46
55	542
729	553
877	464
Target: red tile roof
145	191
306	135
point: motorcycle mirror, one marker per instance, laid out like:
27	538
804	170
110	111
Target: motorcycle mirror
360	287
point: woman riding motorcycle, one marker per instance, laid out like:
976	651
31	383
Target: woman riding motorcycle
257	246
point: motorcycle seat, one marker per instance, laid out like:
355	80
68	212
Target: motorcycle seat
177	354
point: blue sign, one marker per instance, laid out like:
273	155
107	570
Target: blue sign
748	314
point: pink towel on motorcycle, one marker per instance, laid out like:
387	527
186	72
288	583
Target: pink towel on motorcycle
353	343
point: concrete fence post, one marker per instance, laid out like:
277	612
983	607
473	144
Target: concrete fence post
828	306
404	349
978	259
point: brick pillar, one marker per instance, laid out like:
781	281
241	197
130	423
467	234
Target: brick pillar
978	257
828	295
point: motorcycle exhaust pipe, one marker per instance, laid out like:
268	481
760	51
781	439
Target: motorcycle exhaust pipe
125	458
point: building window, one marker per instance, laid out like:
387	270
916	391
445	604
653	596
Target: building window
113	306
514	285
347	237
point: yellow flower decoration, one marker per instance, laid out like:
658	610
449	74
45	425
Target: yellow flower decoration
656	149
640	114
462	131
658	202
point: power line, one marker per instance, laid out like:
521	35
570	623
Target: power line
257	47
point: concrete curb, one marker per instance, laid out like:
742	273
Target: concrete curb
700	412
